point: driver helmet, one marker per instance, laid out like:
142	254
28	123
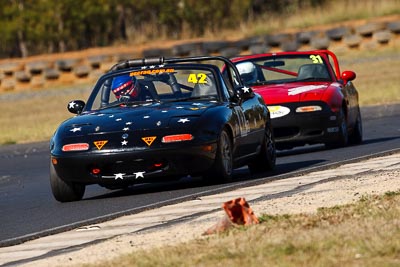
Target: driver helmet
248	72
125	86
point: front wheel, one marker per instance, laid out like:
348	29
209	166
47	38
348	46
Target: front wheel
222	169
65	191
356	136
266	159
343	135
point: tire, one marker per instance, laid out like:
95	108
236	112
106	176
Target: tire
343	135
320	42
356	136
337	34
222	169
266	159
65	191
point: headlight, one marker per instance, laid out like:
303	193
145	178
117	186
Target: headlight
177	138
308	109
75	147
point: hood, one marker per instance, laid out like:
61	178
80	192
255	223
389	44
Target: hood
292	92
140	117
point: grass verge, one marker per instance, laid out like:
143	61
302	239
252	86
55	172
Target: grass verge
34	117
366	233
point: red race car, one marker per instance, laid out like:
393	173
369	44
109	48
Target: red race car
309	99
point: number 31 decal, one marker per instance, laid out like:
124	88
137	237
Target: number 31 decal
197	78
316	58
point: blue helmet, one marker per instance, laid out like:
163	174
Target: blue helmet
125	86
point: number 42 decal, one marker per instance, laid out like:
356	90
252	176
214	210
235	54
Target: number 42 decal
197	78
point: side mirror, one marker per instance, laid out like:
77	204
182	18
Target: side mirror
348	75
76	106
245	92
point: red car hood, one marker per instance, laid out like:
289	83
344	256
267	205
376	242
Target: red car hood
276	95
291	92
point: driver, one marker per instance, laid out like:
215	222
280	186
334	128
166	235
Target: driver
125	87
248	72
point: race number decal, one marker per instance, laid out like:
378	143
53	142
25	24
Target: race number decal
197	78
316	59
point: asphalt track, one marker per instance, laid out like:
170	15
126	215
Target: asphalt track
28	209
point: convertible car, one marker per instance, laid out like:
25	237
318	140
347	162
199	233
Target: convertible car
310	100
155	119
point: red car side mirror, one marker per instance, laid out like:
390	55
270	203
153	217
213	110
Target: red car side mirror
348	75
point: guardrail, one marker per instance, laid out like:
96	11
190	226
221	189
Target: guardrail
17	75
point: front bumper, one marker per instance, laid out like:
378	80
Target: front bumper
297	129
128	167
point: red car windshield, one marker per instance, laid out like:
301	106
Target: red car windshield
284	68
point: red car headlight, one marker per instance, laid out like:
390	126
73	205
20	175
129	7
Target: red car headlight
308	109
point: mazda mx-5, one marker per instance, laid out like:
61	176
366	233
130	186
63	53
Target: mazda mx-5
311	101
156	119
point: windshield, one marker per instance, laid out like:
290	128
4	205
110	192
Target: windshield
283	69
153	84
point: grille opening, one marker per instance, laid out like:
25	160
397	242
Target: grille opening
285	132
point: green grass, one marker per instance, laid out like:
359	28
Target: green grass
366	233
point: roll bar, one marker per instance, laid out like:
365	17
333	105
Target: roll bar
150	61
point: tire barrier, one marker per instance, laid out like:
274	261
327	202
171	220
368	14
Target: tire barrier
337	34
31	73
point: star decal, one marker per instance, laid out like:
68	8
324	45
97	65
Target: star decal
246	89
111	116
143	68
119	176
179	107
164	111
158	123
197	104
183	120
128	123
71	104
139	175
76	129
146	117
100	115
152	67
125	129
124	143
119	119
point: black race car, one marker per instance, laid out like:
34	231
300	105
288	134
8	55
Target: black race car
155	119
